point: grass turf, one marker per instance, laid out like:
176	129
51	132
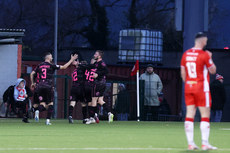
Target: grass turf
116	137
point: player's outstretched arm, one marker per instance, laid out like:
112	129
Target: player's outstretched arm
73	57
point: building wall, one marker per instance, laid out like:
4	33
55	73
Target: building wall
9	65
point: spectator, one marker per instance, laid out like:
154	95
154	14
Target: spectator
17	97
218	98
122	105
153	87
122	102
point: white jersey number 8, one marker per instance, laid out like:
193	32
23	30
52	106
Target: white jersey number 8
191	66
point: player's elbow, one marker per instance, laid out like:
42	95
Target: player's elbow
32	74
212	69
63	67
183	74
183	78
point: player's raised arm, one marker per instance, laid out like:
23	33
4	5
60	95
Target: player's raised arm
73	57
211	69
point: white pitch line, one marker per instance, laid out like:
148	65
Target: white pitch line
226	129
91	149
178	149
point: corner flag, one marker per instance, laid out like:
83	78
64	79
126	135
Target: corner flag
135	71
135	68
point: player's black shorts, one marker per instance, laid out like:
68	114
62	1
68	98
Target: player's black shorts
45	93
77	94
89	88
99	89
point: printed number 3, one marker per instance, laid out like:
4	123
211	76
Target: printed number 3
43	73
191	66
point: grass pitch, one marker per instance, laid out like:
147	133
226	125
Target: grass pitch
116	137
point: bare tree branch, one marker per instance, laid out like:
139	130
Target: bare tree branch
114	3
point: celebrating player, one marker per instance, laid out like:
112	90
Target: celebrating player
89	91
44	85
196	64
77	93
100	85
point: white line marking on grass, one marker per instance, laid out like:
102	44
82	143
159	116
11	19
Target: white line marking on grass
227	129
178	149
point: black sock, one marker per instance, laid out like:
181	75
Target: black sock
41	108
84	112
50	111
33	109
70	110
106	108
91	111
95	110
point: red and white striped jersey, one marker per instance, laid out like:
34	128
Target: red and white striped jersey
196	63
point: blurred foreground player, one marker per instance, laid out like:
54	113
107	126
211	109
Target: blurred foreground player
196	64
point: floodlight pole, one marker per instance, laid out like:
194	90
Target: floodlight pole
55	55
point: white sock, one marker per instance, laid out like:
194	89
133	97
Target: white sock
189	128
205	130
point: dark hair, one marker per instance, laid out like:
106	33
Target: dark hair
73	53
101	53
200	35
46	53
84	62
150	65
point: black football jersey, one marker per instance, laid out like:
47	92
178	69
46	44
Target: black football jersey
78	76
101	70
45	73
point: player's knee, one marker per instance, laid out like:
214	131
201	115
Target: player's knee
94	104
94	99
43	104
101	101
83	104
51	103
73	103
35	105
90	104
